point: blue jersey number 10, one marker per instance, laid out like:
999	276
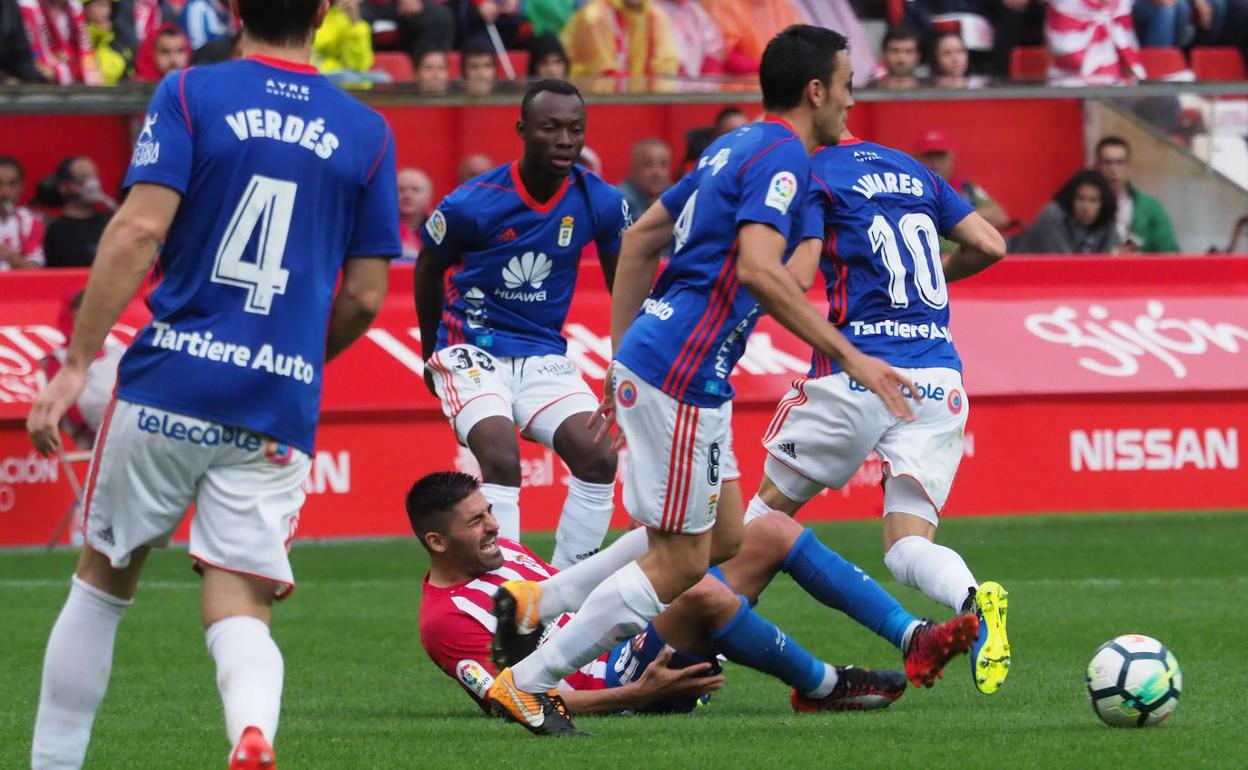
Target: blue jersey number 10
268	205
923	242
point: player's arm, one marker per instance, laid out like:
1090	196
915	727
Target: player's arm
127	251
429	293
761	270
636	267
359	300
657	683
804	264
980	246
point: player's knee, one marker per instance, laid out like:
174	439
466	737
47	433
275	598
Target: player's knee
709	600
595	463
775	532
500	465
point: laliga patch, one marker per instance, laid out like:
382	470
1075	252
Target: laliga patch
781	191
627	394
565	231
436	226
955	401
473	675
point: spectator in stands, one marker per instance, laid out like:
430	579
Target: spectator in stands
60	45
1170	23
1079	220
840	16
480	68
72	238
505	16
649	174
699	42
1011	21
17	63
951	62
935	150
114	60
900	56
473	166
1141	222
415	201
621	37
433	72
424	25
548	17
547	59
205	21
21	230
219	50
342	48
136	21
698	139
590	159
165	51
748	25
1092	43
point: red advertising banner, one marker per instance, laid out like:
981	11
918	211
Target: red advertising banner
1096	384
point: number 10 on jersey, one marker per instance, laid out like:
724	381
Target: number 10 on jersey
922	240
268	205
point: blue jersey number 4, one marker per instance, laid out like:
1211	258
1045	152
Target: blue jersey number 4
267	205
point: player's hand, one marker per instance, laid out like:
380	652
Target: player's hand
429	379
660	682
43	422
885	382
603	418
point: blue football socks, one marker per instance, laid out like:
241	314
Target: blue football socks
754	641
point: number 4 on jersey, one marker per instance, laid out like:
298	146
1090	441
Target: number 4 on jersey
267	204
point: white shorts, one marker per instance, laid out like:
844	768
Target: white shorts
537	393
678	456
151	465
824	429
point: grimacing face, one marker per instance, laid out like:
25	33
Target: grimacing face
471	537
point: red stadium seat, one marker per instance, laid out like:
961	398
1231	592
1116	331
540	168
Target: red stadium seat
1162	63
519	63
397	64
1218	63
454	64
1029	62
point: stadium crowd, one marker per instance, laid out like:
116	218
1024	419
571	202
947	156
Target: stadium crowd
941	43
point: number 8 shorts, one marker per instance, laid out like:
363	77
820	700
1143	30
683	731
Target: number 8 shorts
537	393
678	456
150	466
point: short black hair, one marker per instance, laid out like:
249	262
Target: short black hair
279	22
432	498
479	48
936	41
728	112
13	163
1112	141
548	85
1065	197
419	57
542	47
899	33
793	58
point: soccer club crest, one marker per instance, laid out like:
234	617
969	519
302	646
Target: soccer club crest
955	401
565	231
627	394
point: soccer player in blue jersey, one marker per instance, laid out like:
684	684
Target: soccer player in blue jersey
879	215
266	185
493	288
734	222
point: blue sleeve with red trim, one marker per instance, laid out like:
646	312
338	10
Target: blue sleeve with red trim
772	187
675	197
613	219
376	232
814	210
951	208
163	149
450	229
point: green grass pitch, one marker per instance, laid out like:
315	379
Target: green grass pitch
360	692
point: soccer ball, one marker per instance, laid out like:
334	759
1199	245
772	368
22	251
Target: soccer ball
1134	681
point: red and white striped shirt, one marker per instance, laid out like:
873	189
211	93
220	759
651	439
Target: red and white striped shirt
1093	42
22	232
456	624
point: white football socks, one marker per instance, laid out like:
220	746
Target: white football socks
566	591
755	509
249	674
584	522
505	502
937	571
617	609
825	688
76	669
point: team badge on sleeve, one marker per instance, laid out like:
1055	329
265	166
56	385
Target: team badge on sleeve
565	231
436	226
781	191
474	676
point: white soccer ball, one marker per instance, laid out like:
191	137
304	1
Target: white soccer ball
1134	681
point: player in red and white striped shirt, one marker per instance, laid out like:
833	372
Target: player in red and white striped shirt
468	562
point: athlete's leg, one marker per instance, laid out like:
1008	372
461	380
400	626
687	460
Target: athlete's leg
566	591
79	658
911	554
728	534
236	613
493	442
587	509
